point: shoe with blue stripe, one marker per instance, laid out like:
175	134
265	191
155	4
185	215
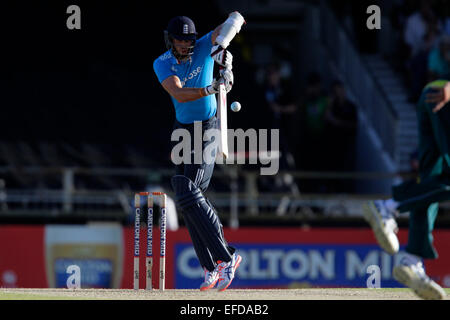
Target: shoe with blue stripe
227	271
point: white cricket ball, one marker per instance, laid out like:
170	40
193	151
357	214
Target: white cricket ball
235	106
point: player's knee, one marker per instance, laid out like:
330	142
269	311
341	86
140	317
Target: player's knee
186	192
204	185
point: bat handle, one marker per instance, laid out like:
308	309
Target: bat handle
215	52
219	48
221	81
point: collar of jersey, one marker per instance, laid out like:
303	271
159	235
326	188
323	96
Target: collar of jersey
175	60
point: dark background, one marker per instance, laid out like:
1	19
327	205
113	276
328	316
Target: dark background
95	84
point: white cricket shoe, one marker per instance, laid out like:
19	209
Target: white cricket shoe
411	273
226	271
211	278
384	226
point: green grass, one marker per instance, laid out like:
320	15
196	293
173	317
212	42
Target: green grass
447	290
30	296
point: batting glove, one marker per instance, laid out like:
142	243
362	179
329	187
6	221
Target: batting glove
213	88
226	75
223	57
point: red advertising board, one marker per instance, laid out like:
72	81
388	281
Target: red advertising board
24	257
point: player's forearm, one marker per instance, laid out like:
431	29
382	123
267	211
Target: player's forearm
190	94
186	94
225	32
215	34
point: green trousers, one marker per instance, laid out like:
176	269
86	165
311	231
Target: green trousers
422	199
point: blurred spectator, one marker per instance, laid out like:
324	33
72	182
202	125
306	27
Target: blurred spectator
417	26
342	119
342	124
411	177
447	26
281	104
442	8
420	33
439	60
414	162
313	108
280	100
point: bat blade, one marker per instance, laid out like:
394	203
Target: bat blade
223	121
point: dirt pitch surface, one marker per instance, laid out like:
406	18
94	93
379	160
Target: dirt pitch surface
230	294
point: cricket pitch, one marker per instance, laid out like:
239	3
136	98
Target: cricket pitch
230	294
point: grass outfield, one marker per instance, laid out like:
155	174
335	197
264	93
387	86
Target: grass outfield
35	296
230	294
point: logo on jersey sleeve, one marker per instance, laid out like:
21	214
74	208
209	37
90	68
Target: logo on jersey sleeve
166	56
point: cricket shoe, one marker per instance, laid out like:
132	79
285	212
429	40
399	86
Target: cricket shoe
211	278
411	273
384	226
226	271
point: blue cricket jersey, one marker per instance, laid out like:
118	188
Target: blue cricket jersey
196	72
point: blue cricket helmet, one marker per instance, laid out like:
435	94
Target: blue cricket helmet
180	28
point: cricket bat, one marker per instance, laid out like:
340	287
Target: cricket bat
223	122
229	29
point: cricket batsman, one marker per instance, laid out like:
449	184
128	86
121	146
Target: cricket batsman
185	71
421	199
